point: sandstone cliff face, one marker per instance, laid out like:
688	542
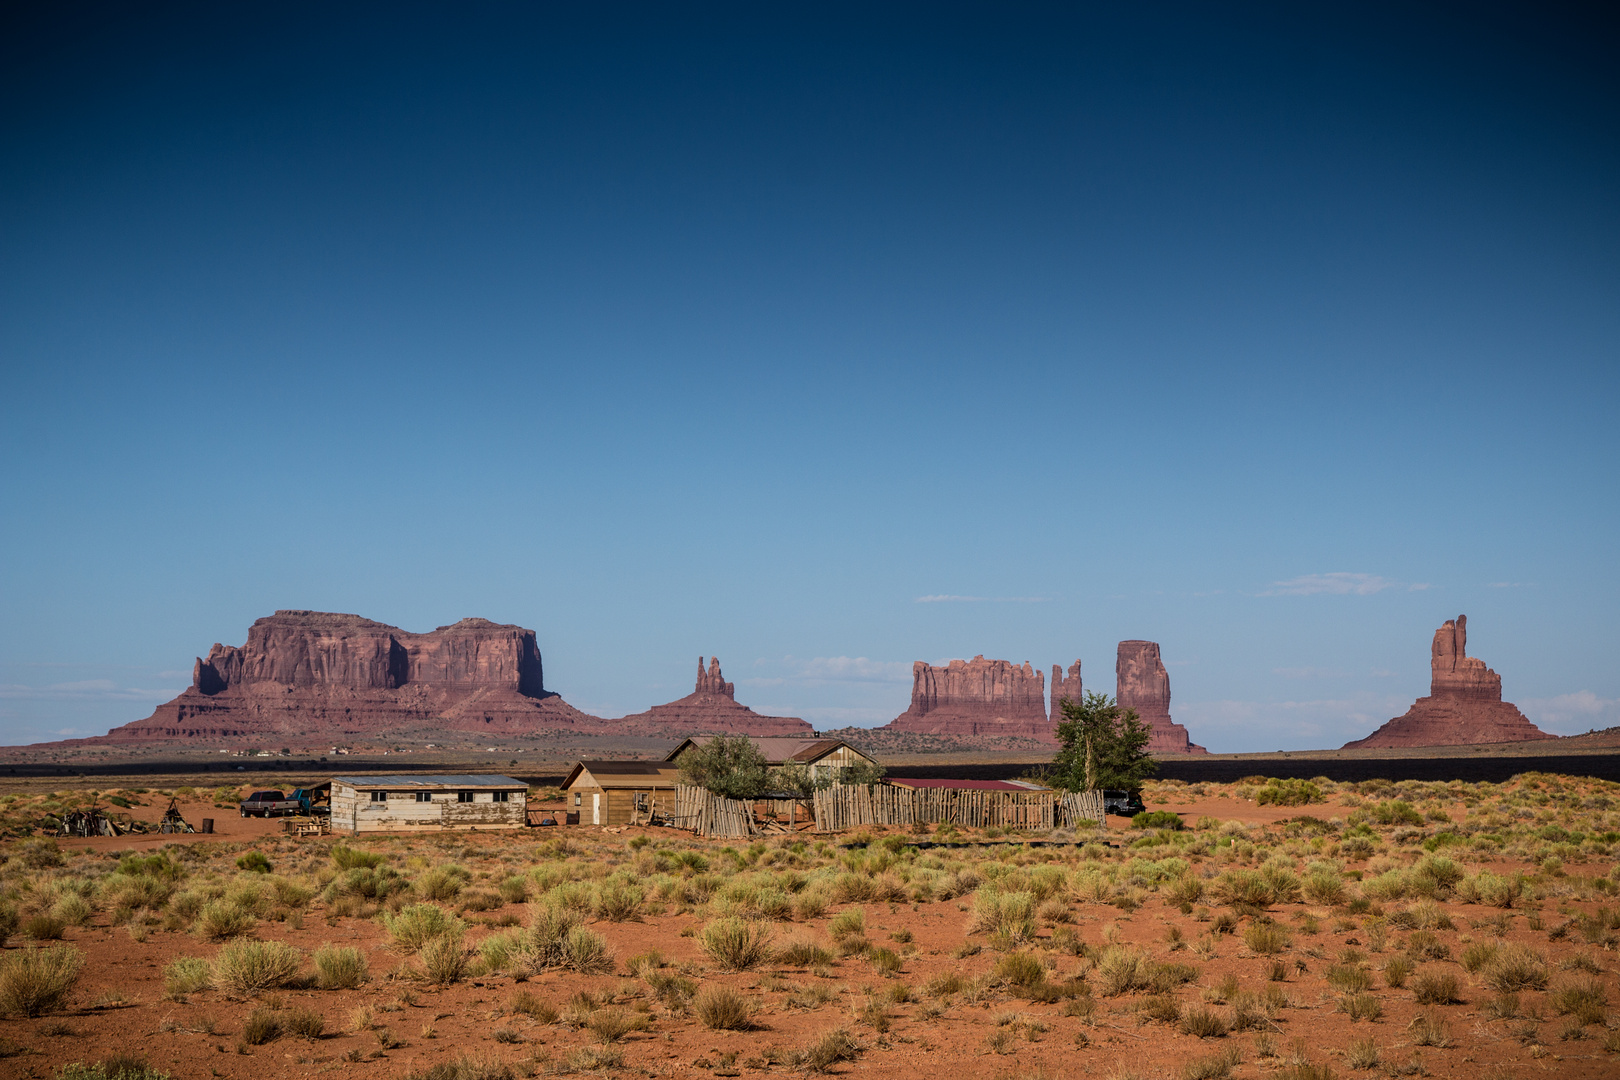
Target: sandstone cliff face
976	697
1464	705
1062	687
710	709
314	675
1143	684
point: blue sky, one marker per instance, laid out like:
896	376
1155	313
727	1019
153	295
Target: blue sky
825	338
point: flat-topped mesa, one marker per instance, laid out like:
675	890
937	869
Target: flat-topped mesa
1464	705
976	697
710	709
313	676
1062	687
1142	683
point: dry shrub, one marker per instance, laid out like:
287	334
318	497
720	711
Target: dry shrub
1361	1007
221	919
444	958
1216	1066
736	944
1397	971
1584	999
303	1022
35	981
1427	1029
247	967
413	927
187	975
43	927
1362	1054
1266	938
532	1006
803	953
614	1023
1435	988
262	1025
1009	915
828	1050
618	902
1515	967
1121	970
340	967
721	1008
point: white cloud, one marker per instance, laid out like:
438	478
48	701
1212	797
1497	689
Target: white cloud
1334	584
944	598
1572	714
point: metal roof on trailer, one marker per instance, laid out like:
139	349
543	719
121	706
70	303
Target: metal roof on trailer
429	781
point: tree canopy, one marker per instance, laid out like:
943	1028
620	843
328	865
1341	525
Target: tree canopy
1104	746
728	765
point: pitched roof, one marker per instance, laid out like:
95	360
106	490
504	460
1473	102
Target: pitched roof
626	774
778	750
408	781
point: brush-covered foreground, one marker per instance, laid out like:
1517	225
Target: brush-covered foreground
1301	929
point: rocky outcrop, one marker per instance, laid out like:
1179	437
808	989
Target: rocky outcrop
976	697
313	676
1065	687
1464	705
1141	683
710	709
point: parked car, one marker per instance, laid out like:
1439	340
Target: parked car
1124	803
269	804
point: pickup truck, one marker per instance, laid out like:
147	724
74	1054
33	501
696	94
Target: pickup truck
269	804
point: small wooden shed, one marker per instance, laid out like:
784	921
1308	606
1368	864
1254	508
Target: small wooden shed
619	792
413	803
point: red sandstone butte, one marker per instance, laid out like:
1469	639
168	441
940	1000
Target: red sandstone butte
976	697
711	708
311	676
1062	687
1464	705
1143	684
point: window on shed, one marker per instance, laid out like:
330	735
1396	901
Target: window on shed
502	796
424	796
578	798
379	796
464	796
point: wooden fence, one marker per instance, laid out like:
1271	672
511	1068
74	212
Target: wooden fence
707	814
847	806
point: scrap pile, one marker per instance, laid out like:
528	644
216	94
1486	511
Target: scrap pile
172	821
91	822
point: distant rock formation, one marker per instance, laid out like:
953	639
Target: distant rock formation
1464	705
710	709
1065	688
1143	684
976	697
308	676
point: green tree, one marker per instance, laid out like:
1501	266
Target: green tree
728	765
867	772
1104	746
798	779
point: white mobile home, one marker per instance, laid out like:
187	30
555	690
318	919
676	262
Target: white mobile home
409	803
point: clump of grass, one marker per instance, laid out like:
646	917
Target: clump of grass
35	981
263	1025
444	958
43	927
850	922
1583	999
611	1024
414	926
1216	1066
735	944
1397	971
303	1022
1120	970
528	1004
1435	988
1427	1029
1361	1007
187	975
803	953
247	967
1515	967
1266	938
221	919
826	1051
722	1008
1203	1023
1362	1054
1007	916
340	967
